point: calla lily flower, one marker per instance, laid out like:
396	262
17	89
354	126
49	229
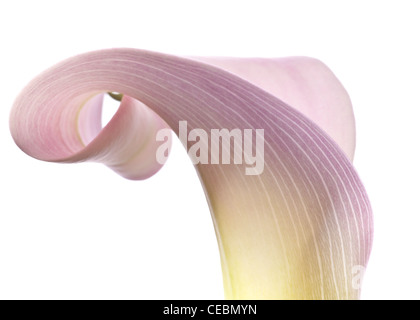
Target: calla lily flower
299	229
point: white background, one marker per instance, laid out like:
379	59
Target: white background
80	231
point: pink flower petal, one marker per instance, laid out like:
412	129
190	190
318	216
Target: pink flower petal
298	230
305	84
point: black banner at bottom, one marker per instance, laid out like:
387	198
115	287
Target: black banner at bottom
188	309
245	309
